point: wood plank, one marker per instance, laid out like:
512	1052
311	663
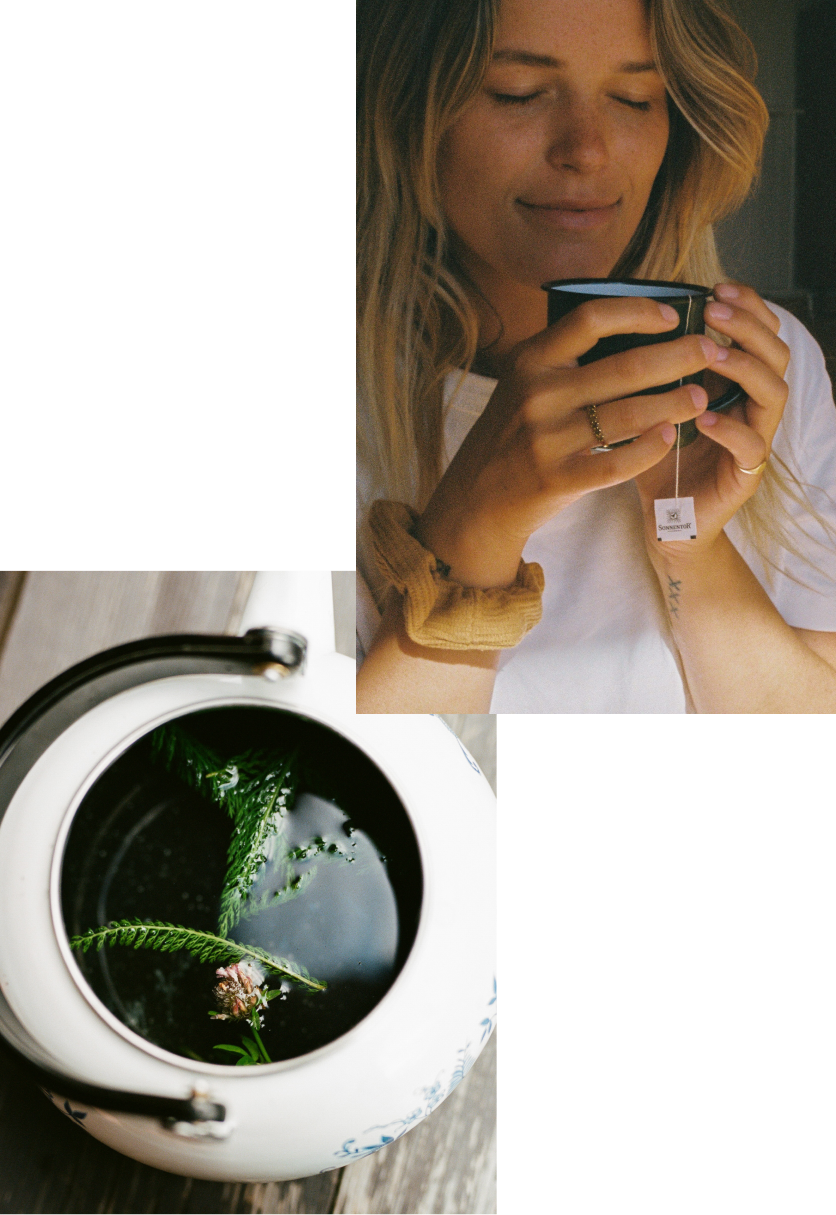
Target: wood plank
242	594
311	1194
11	585
64	617
344	584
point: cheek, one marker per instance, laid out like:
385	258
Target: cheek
637	175
644	151
477	164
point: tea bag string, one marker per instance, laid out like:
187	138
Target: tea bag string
676	487
678	425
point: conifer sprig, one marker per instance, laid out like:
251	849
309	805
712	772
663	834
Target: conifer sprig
263	798
286	894
256	789
205	946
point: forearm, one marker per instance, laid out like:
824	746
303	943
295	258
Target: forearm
399	676
738	654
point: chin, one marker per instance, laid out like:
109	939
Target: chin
577	262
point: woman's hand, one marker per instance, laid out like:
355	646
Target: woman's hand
528	456
709	468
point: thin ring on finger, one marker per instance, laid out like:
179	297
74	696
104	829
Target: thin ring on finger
602	444
752	472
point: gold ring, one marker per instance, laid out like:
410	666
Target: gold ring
752	472
592	414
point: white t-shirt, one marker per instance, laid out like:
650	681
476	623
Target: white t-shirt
604	643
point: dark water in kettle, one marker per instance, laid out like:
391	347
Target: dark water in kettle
144	846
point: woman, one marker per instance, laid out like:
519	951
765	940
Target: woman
505	145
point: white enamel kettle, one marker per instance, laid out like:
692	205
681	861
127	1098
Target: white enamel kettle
310	1113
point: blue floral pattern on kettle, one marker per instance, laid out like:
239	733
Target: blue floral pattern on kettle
431	1097
464	749
77	1116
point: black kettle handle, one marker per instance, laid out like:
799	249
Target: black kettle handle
260	649
191	1111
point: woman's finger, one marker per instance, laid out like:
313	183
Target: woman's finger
553	395
599	470
625	419
751	334
744	297
746	447
564	342
632	372
558	468
766	390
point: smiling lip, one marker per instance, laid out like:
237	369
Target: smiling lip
572	216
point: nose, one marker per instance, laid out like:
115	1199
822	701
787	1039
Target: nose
578	139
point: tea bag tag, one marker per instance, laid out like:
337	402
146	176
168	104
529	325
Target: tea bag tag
675	517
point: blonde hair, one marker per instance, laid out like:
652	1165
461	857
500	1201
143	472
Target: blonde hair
420	63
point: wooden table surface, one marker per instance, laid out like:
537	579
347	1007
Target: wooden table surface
48	621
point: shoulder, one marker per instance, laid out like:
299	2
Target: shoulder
806	357
810	404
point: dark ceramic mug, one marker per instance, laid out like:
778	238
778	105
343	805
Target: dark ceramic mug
688	299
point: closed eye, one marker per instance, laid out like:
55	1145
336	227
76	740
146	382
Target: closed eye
515	98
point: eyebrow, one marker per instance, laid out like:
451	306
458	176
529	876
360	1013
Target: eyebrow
529	59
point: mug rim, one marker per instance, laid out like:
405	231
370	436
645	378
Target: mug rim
670	290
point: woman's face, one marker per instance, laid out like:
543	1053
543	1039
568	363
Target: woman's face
548	172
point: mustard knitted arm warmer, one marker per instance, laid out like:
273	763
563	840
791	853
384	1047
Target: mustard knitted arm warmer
441	614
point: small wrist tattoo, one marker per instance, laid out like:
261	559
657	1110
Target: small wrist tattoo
674	591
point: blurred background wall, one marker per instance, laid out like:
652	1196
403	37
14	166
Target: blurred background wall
783	240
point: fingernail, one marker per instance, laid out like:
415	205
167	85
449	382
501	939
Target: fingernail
668	432
668	313
722	353
726	291
708	419
719	312
698	395
709	348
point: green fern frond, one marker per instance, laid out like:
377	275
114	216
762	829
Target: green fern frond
205	946
262	799
256	789
266	900
202	769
